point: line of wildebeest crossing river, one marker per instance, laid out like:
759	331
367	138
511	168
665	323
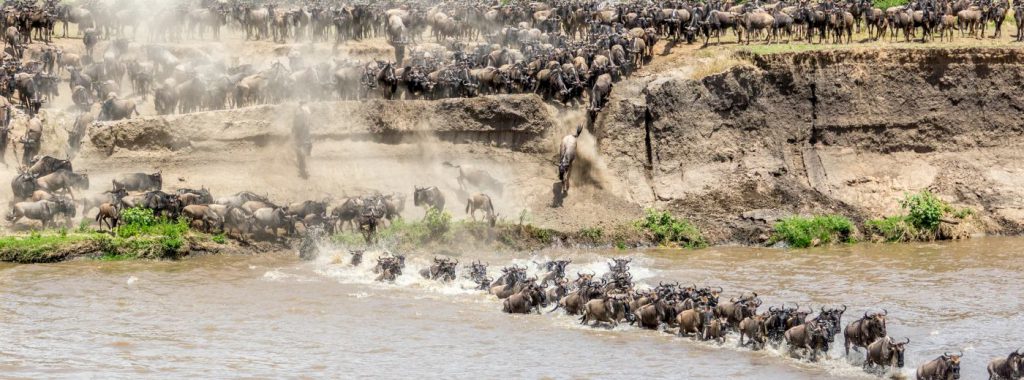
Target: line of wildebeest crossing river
697	312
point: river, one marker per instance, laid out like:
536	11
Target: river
276	316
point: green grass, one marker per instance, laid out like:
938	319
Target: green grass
892	229
142	236
804	232
665	229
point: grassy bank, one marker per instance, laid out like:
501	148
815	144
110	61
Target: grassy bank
925	217
142	236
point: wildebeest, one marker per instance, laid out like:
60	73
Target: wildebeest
754	328
109	215
810	336
715	330
482	202
691	321
357	257
203	214
474	176
607	309
566	156
556	271
272	219
885	352
945	367
1008	368
139	181
442	269
43	211
530	298
63	180
45	165
236	219
651	315
429	197
864	331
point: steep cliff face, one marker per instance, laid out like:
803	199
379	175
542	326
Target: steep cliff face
819	132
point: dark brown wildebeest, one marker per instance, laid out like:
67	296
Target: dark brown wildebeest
810	336
651	315
885	352
864	331
575	301
46	165
428	197
556	271
357	257
470	175
530	298
139	181
945	367
1008	368
442	269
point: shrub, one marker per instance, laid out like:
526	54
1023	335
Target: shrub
438	222
803	232
924	210
219	238
665	229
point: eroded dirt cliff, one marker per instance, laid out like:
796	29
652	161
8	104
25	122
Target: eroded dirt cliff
818	132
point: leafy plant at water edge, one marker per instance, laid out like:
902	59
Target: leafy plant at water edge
437	222
666	229
803	232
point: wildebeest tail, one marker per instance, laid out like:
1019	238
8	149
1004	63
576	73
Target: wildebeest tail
557	305
469	202
450	165
579	130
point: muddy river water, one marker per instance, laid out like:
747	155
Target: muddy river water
277	316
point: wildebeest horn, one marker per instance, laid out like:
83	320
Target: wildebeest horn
907	341
885	312
822	309
866	315
721	290
772	308
844	308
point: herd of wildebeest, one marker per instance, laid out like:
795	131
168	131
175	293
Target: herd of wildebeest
44	192
692	311
568	51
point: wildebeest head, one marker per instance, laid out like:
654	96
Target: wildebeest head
357	256
951	363
898	349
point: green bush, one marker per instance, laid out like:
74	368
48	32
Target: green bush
438	222
886	4
665	229
803	232
892	229
924	210
219	238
